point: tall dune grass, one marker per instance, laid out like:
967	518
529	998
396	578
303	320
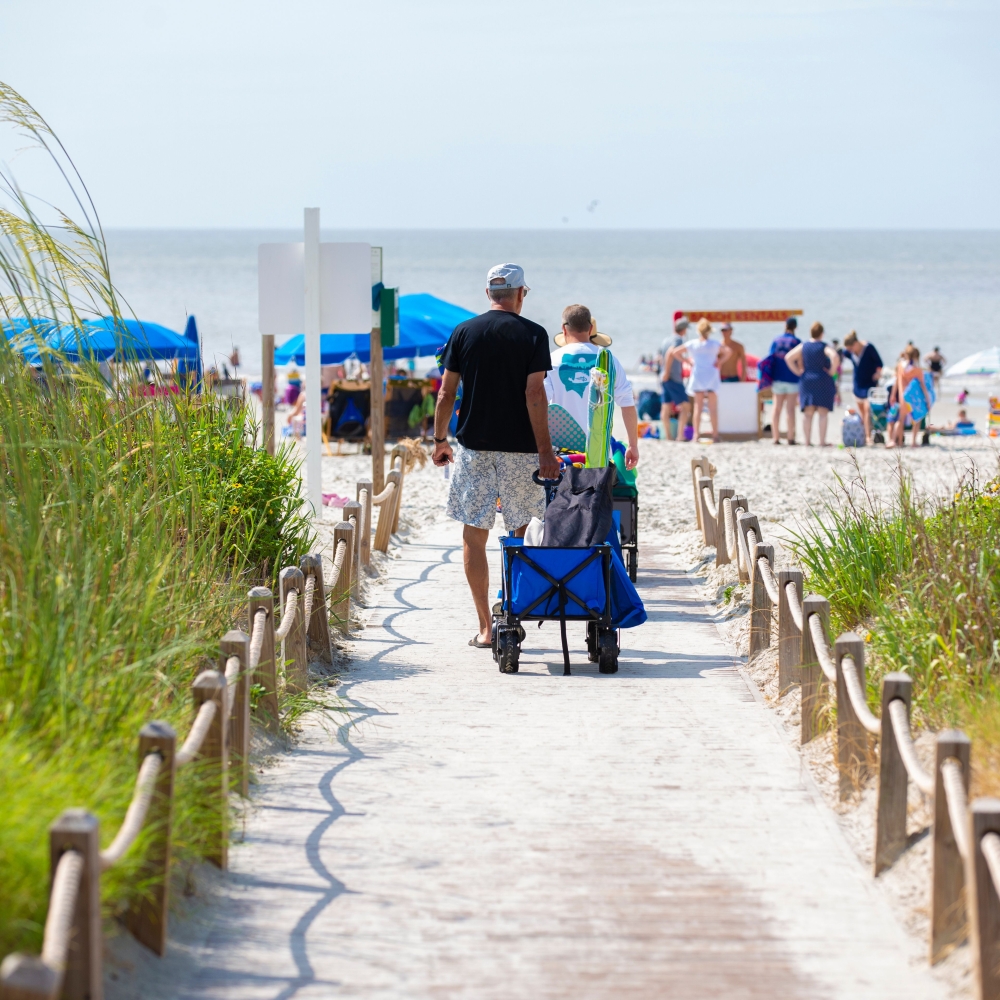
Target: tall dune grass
921	579
130	530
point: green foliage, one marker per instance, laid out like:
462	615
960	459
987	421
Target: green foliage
922	581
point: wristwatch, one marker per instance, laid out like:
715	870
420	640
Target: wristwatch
440	440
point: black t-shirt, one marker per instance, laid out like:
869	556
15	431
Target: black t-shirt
495	353
865	368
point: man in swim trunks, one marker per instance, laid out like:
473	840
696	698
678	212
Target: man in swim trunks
676	401
734	368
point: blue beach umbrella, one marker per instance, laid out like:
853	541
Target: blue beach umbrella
425	324
121	340
184	365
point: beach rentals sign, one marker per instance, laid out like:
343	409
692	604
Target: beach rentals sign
307	288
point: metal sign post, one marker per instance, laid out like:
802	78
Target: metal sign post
314	413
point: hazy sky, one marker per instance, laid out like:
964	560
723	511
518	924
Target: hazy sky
445	113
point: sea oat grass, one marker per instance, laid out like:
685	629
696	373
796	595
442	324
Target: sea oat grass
919	578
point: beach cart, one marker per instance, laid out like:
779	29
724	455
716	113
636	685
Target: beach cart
588	584
626	503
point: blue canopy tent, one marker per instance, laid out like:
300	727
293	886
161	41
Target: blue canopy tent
425	324
120	340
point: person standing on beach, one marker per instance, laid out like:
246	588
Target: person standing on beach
706	355
935	362
503	432
675	397
784	382
814	363
867	370
734	368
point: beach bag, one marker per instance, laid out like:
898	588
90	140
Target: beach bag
853	431
917	400
581	512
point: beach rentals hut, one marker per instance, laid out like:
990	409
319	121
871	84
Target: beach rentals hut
425	324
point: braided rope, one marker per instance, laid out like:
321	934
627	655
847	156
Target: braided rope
380	498
823	654
62	904
257	637
713	511
853	684
794	608
990	846
900	719
958	804
769	580
288	618
338	562
309	595
135	816
202	724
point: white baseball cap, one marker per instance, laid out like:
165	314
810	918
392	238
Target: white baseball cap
506	276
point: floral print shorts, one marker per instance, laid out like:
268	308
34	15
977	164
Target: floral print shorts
480	477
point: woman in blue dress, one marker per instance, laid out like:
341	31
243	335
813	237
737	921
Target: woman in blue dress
814	363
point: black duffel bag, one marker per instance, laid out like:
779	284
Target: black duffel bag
581	510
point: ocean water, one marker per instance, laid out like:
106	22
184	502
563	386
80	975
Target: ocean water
934	288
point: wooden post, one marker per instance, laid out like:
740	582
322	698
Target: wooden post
403	454
296	665
852	737
365	547
740	501
340	595
266	672
789	635
27	977
146	918
78	830
267	390
984	907
318	626
721	536
760	601
237	643
948	924
210	685
708	525
893	781
813	678
377	417
385	515
353	509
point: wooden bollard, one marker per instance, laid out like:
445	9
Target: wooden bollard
353	509
296	664
266	673
237	643
365	544
721	535
386	514
740	501
318	626
760	601
984	906
813	678
402	453
78	830
146	918
852	737
893	781
948	923
709	529
789	635
210	685
340	595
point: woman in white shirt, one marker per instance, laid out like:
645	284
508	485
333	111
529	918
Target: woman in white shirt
705	356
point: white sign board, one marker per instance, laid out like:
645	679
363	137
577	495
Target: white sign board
345	288
738	408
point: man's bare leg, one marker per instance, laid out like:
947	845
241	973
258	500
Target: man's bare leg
477	572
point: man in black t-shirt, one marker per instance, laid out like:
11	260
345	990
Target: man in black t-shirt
501	359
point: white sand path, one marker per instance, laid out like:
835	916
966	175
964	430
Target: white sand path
478	835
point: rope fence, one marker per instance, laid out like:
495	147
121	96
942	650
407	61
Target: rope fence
965	872
245	685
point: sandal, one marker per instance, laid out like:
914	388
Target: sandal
474	641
